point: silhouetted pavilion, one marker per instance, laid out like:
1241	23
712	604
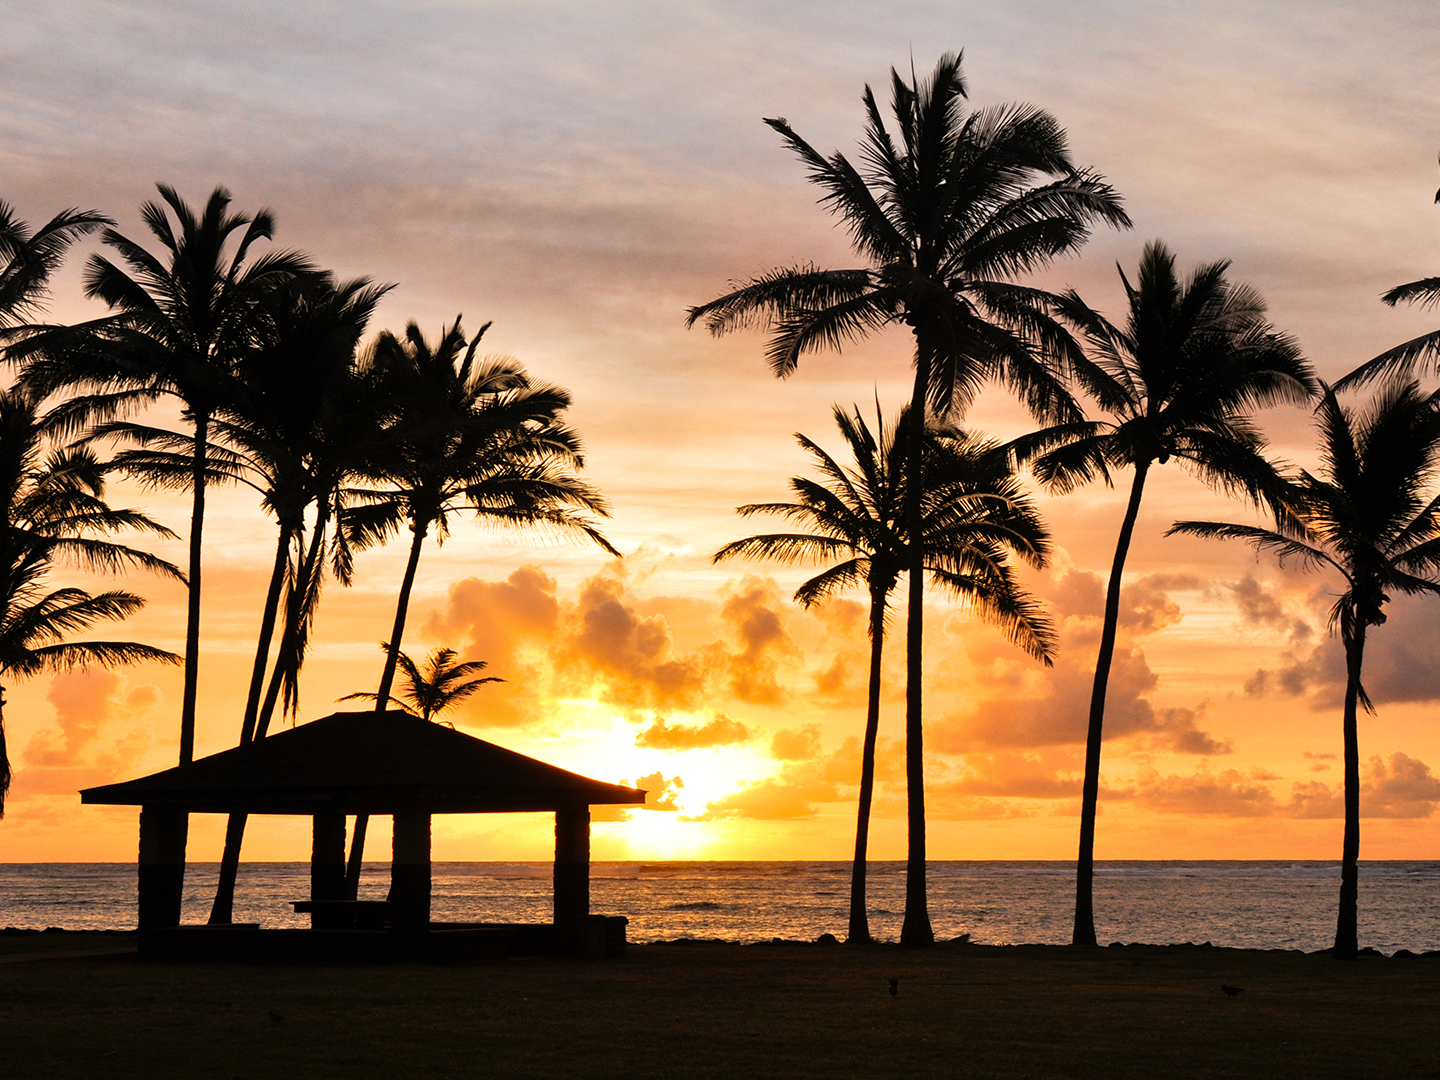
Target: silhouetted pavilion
381	764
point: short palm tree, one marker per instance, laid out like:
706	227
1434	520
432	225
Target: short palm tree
179	322
433	686
1370	518
468	436
52	512
1179	378
945	222
975	517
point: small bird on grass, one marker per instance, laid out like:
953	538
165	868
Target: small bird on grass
276	1016
894	987
1232	991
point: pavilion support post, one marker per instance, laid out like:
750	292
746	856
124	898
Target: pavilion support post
163	832
410	872
327	869
572	870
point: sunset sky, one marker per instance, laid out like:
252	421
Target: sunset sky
580	173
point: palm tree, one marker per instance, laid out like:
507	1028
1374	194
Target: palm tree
435	687
30	258
478	437
294	428
179	324
1179	378
52	510
1367	517
945	223
975	515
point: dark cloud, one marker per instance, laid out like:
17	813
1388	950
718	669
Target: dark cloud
1402	660
660	794
1060	715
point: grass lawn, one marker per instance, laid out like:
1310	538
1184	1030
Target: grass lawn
702	1010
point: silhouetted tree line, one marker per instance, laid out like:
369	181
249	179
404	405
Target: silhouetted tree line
946	210
345	445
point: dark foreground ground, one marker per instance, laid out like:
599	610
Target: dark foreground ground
702	1010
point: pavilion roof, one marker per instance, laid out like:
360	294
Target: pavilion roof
365	763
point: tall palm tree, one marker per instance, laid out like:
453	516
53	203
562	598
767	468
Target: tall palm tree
294	427
27	259
1369	517
433	686
471	437
478	437
1179	378
944	222
974	517
53	511
179	323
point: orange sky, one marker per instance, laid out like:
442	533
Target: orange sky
579	173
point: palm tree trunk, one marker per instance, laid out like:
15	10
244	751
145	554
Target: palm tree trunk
5	774
222	910
357	855
916	931
387	677
859	933
1084	933
382	696
1347	942
267	632
294	616
192	611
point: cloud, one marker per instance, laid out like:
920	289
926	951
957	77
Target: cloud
100	729
755	612
721	731
1203	794
660	794
846	680
511	625
1029	776
1402	660
1260	607
1060	714
1402	787
83	702
630	654
1397	787
795	744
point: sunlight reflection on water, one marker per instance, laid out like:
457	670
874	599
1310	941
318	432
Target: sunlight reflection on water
1276	905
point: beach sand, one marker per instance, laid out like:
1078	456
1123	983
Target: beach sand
724	1010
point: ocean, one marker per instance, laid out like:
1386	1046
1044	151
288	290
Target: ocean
1257	905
